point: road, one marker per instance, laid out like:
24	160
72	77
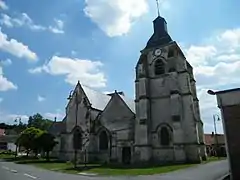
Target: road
210	171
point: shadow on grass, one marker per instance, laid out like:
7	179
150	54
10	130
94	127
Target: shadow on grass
37	161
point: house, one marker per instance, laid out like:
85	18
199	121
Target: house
215	143
7	142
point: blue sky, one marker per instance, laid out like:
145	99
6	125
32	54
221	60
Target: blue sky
46	47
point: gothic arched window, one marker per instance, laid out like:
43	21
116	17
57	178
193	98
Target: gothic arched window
159	67
164	136
103	141
77	139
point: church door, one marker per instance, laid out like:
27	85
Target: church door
126	155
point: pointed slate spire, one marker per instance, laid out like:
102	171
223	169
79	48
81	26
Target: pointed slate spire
160	35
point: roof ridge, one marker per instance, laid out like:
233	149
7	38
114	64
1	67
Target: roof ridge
94	89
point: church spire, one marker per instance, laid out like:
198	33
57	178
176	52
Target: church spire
160	35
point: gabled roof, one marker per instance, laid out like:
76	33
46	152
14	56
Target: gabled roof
210	139
97	99
57	128
2	132
100	100
129	102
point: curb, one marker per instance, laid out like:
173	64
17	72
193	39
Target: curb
87	174
225	177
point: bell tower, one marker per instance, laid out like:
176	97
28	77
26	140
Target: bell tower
166	126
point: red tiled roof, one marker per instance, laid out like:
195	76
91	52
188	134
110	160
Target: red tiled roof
2	132
210	139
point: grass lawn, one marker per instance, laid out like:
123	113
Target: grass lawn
55	165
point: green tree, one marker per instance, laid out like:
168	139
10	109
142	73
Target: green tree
39	122
46	142
28	139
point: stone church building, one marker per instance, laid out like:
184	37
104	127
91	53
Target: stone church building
162	124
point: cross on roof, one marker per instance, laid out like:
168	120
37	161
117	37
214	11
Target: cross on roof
158	9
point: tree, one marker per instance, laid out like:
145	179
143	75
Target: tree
46	142
28	139
39	122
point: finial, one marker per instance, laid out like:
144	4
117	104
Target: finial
158	9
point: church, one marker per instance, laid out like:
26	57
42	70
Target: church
161	125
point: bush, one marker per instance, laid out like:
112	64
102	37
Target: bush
7	152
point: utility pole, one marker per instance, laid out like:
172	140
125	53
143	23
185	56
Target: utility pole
215	131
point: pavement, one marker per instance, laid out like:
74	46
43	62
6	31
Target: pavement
209	171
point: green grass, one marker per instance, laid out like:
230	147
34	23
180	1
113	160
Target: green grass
64	167
6	156
137	171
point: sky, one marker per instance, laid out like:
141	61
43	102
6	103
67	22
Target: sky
47	46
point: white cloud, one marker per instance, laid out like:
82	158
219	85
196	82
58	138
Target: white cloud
6	62
108	92
41	98
5	84
58	28
23	20
200	54
10	118
216	64
58	115
16	48
3	5
116	17
87	71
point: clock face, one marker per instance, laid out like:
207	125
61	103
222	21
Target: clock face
157	52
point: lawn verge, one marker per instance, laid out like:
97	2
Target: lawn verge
105	170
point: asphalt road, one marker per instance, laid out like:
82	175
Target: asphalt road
210	171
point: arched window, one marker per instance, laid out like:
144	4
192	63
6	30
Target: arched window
159	67
103	141
164	136
77	139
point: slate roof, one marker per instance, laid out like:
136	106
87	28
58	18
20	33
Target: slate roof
160	35
100	100
57	128
97	99
130	103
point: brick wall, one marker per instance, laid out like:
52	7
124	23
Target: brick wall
231	116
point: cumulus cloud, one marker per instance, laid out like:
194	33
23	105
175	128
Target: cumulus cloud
41	98
58	115
24	20
216	64
5	84
16	48
87	71
3	5
116	17
10	118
